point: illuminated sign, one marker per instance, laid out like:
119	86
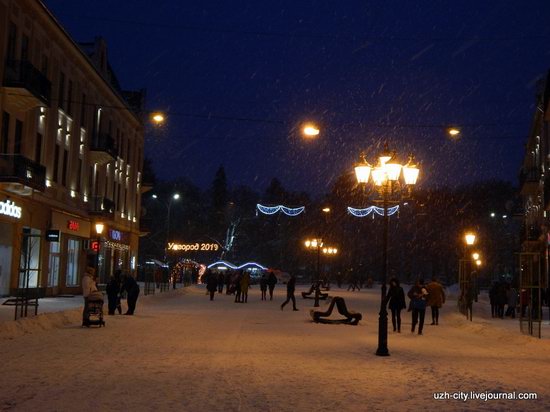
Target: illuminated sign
94	245
191	247
9	208
115	235
73	225
52	235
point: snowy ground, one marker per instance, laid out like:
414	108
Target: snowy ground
182	352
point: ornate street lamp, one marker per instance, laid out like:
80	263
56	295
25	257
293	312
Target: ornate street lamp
99	226
387	182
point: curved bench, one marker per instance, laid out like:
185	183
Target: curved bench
311	294
350	317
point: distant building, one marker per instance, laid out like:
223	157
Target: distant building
71	156
535	192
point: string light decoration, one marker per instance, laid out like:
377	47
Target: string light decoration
372	210
234	267
271	210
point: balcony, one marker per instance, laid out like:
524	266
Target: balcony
103	149
529	181
101	206
21	175
25	86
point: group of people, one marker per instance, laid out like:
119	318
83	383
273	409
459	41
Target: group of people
421	296
237	283
118	285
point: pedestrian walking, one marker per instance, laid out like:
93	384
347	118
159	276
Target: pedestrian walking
237	281
221	282
131	287
417	294
501	299
271	282
263	286
396	303
245	284
435	299
290	288
512	301
88	287
211	283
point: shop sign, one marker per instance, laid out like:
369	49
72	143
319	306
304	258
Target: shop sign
52	235
118	236
73	225
193	247
9	208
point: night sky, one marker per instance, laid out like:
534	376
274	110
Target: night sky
366	71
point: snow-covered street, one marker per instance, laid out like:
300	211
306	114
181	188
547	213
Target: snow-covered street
184	352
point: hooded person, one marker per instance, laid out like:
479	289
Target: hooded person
131	287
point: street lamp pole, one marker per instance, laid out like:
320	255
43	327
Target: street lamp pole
384	175
383	316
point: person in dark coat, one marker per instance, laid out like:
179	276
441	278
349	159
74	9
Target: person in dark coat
396	303
221	282
263	286
271	282
237	280
290	288
417	295
500	299
435	299
131	287
113	294
211	283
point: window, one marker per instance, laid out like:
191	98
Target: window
18	136
12	41
70	98
53	266
65	167
73	248
61	96
38	148
25	48
5	132
56	163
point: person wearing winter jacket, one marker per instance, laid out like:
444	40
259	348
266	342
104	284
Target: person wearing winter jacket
245	284
290	288
88	287
396	303
435	299
417	294
211	283
131	287
271	282
113	293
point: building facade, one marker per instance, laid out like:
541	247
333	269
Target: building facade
535	192
71	156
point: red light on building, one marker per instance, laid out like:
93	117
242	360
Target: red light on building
73	225
94	245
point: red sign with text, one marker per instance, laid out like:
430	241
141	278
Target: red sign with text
73	225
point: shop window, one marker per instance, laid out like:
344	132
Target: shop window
38	148
5	132
18	136
73	249
53	267
29	272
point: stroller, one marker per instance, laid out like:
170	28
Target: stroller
93	311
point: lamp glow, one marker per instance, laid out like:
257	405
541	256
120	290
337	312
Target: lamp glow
475	256
310	130
362	170
99	228
470	238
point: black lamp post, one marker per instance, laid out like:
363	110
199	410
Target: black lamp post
385	178
98	230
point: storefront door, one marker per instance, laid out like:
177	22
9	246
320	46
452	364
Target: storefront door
6	237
